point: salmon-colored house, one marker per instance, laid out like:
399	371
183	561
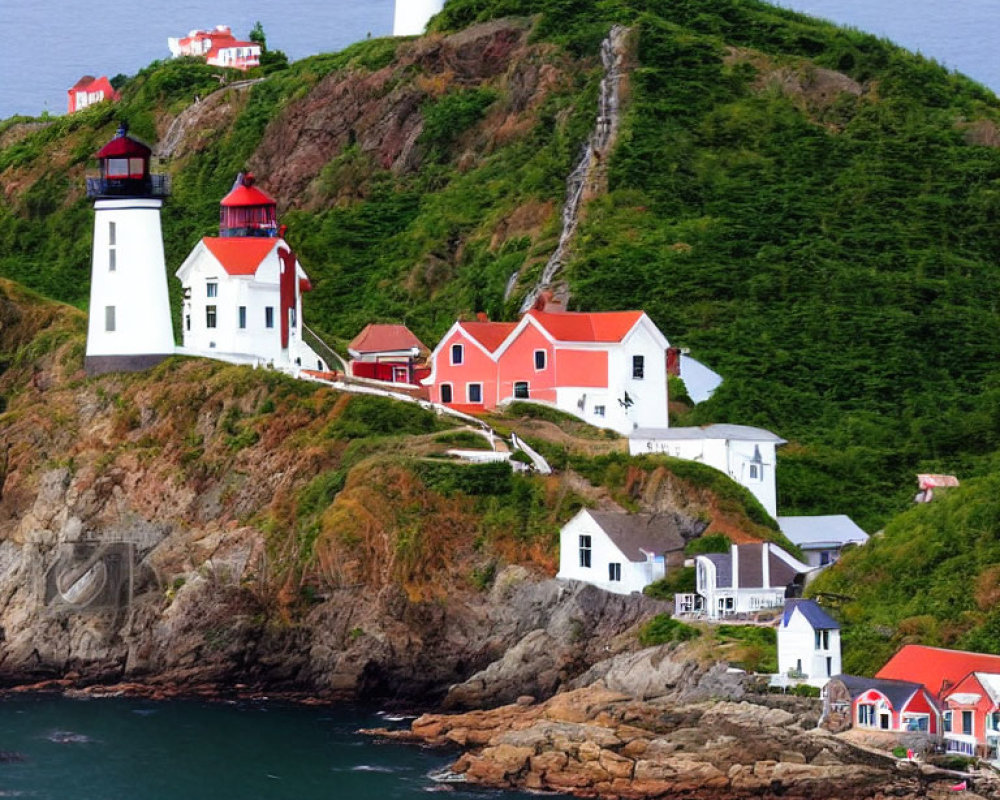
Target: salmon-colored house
89	90
608	368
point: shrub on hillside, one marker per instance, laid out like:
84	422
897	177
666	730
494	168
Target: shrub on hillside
663	628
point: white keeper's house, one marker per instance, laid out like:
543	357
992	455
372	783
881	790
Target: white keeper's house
243	289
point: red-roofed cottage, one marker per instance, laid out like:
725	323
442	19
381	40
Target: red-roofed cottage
218	47
608	368
243	289
390	353
87	91
972	716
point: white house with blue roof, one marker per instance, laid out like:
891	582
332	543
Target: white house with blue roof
822	538
808	643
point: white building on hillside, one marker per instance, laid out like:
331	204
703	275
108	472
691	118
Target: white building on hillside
822	538
412	16
129	326
747	455
243	289
620	553
808	643
747	579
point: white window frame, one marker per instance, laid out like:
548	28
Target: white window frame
545	360
241	317
456	347
614	572
908	717
211	288
638	366
269	317
586	550
468	393
527	390
211	317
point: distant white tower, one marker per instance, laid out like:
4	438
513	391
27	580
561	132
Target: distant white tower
412	16
130	327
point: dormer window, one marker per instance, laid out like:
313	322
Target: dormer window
457	354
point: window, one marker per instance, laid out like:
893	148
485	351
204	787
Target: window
539	359
445	392
756	473
829	666
112	259
915	724
187	322
967	723
614	571
111	234
638	367
269	317
585	551
866	715
825	557
212	289
993	721
243	316
210	316
822	640
475	392
521	390
598	411
947	722
112	254
109	318
457	354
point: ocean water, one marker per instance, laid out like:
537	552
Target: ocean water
50	44
59	749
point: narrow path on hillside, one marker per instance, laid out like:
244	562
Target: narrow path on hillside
589	177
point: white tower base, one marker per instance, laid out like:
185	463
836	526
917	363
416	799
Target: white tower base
130	328
412	16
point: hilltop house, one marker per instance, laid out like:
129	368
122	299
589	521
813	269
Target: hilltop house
608	368
822	538
87	91
389	353
243	289
749	578
747	455
880	704
218	47
620	553
808	643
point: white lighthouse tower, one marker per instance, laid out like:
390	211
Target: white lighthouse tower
129	327
412	16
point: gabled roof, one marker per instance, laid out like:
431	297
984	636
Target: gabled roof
935	667
86	80
574	326
836	529
240	255
738	433
898	693
489	334
385	339
814	615
638	534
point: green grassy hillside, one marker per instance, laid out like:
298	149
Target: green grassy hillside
810	209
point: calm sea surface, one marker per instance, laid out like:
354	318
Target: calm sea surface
129	750
49	44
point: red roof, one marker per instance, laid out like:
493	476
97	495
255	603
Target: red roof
384	339
489	334
936	668
86	80
245	193
569	326
124	146
240	255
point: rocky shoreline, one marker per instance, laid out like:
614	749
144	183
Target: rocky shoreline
610	739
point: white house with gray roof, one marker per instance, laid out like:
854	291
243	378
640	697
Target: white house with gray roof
747	579
621	553
822	538
808	643
747	455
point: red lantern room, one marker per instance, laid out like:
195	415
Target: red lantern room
124	170
247	211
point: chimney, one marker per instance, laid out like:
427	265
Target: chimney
482	316
674	362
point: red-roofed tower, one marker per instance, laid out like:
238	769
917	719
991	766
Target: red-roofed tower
130	327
